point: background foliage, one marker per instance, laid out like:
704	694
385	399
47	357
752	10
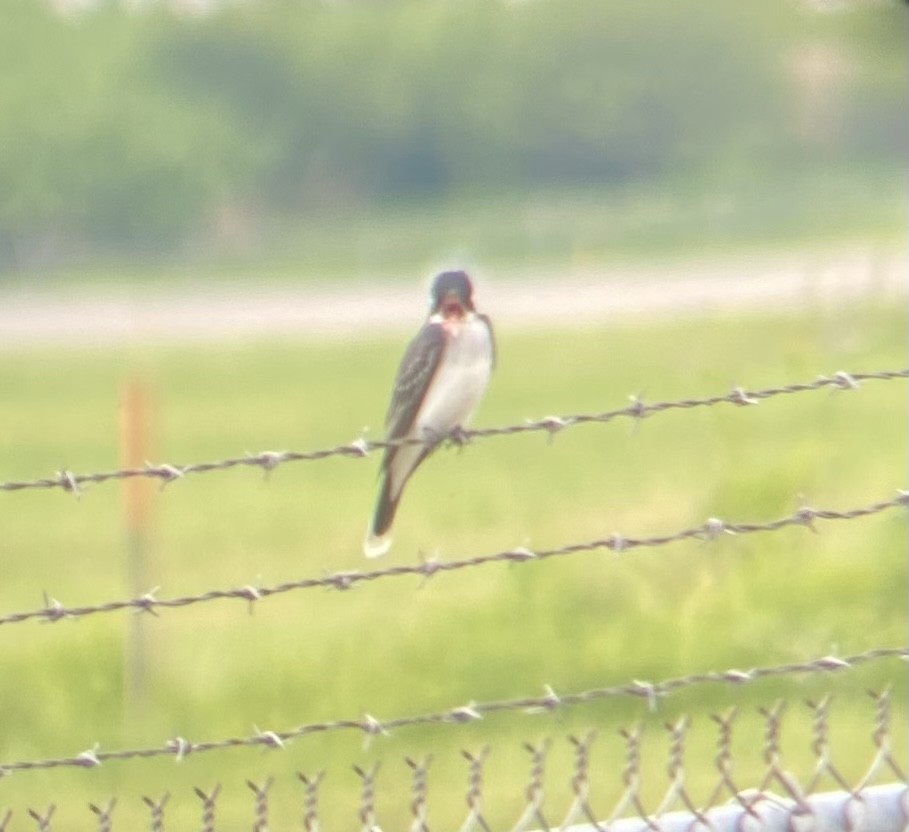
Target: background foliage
159	135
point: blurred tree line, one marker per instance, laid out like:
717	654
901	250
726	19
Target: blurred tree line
135	130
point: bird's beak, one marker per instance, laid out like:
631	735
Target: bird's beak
452	307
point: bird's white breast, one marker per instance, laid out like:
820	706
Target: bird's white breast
460	381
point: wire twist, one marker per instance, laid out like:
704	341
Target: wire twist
268	461
369	726
54	611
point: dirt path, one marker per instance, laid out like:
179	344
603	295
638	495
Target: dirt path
220	312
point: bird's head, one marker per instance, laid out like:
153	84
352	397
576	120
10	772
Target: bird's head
452	295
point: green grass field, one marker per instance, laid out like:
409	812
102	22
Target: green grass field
396	648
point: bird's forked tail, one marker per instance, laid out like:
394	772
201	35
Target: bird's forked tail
378	536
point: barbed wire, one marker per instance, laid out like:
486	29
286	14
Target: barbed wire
268	461
550	701
53	610
778	801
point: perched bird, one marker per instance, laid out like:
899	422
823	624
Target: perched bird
440	382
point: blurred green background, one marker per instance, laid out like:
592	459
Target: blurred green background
332	138
283	144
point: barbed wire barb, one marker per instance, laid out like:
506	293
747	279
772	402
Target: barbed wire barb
360	448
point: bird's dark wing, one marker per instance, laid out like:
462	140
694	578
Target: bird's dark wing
414	377
492	338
